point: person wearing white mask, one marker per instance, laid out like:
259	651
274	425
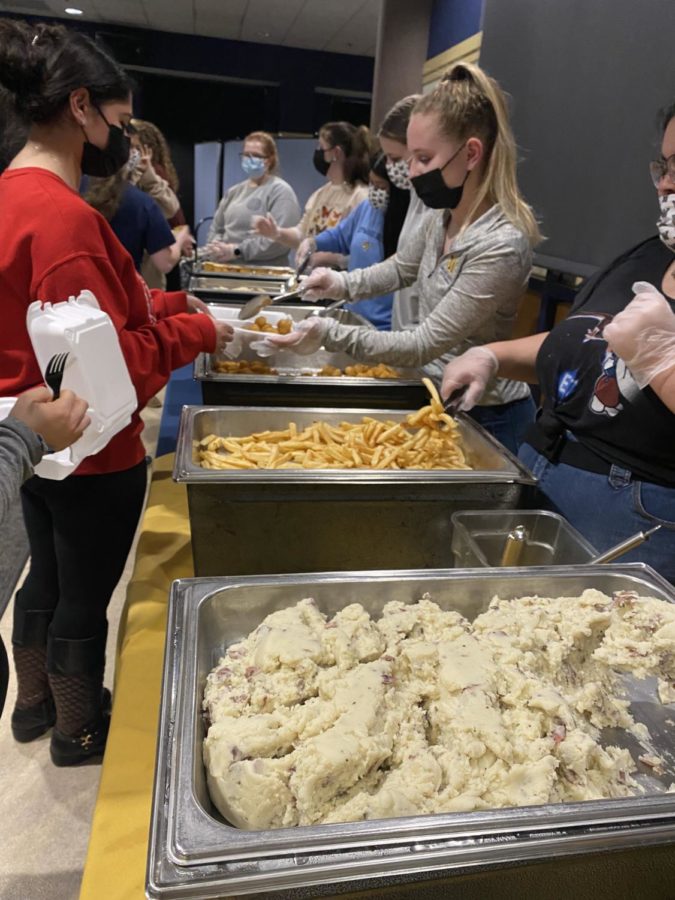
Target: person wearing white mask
602	445
366	236
263	193
393	140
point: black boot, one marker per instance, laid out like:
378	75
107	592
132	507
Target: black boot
82	705
34	712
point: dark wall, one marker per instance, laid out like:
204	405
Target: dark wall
294	73
586	80
190	110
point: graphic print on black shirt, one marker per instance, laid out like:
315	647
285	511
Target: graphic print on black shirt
591	391
615	385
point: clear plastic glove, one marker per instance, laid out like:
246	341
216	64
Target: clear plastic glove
643	334
304	251
473	370
305	339
266	226
324	284
219	251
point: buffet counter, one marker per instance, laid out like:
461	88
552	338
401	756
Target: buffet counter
119	836
116	862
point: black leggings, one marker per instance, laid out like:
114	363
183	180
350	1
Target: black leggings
80	531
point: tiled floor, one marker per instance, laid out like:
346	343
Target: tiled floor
46	812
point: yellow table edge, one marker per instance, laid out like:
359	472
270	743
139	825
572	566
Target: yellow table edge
118	845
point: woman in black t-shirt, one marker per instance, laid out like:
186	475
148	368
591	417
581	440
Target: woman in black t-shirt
603	445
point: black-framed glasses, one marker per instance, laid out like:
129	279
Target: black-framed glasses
660	168
252	156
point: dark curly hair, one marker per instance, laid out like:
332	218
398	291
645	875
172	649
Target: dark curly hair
41	65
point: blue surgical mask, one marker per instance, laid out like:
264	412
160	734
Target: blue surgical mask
253	166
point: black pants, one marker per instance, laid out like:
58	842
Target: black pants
80	531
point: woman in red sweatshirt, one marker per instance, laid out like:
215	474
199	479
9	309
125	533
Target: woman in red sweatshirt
76	104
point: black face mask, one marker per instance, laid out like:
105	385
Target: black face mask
102	163
319	161
434	192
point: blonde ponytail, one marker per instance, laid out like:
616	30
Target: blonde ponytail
469	102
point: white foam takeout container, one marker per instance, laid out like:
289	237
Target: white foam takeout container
95	370
225	314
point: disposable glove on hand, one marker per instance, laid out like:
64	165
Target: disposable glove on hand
643	334
305	339
473	370
324	284
266	226
304	251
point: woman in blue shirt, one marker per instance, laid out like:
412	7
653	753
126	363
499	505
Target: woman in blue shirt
367	236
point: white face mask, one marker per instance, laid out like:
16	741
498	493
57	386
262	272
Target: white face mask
378	197
666	221
398	174
134	159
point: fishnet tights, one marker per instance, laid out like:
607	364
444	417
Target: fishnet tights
31	675
78	701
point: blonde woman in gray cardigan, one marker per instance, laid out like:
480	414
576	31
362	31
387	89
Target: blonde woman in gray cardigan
471	259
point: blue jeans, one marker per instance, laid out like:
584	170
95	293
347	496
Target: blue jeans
607	509
508	422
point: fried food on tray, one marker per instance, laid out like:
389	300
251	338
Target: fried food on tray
427	439
261	323
282	271
243	367
358	370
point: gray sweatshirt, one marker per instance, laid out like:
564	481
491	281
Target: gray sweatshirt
467	297
232	221
405	311
20	450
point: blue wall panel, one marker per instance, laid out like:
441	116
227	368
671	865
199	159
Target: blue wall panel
452	21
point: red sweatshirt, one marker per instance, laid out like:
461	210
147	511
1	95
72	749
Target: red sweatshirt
54	245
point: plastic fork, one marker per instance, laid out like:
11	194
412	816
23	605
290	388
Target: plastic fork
54	372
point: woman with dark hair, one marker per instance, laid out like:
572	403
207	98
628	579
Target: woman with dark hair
393	138
602	445
138	222
367	235
76	103
343	156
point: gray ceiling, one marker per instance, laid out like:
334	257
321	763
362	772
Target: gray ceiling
338	26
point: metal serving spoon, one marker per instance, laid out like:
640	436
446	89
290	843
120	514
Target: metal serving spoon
253	306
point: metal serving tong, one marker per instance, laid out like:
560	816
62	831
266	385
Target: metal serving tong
253	306
517	538
452	403
514	546
629	544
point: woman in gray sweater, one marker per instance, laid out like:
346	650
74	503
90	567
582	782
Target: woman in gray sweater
471	258
262	193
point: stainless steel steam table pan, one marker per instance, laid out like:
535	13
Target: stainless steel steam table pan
290	387
248	522
206	615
